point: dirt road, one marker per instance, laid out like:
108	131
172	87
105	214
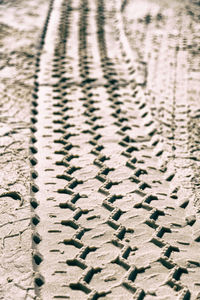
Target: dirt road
114	151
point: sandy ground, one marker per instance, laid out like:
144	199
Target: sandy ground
110	91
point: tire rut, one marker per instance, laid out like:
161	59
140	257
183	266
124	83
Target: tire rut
110	218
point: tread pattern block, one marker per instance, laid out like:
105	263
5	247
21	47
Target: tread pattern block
109	218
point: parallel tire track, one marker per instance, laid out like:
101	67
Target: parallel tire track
108	218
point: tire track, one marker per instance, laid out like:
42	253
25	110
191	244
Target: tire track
185	292
109	220
44	194
177	139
